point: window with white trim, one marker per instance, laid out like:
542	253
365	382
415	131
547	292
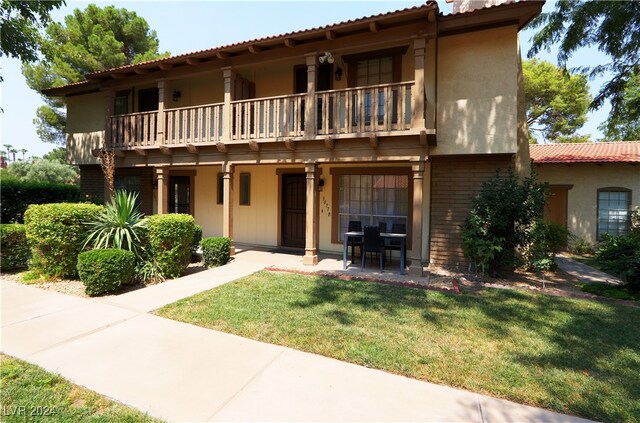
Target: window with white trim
373	199
613	211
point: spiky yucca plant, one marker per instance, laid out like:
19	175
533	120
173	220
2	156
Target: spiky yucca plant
121	225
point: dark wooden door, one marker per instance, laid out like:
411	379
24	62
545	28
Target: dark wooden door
294	210
148	100
180	194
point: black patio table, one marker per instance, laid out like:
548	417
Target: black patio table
385	235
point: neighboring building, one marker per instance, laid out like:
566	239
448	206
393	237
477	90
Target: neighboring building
281	141
593	185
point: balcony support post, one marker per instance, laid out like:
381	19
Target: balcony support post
227	204
310	109
109	99
312	202
431	54
229	87
415	254
164	93
418	93
162	175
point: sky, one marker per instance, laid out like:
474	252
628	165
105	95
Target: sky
184	26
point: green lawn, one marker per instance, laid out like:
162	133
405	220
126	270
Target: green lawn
572	356
31	394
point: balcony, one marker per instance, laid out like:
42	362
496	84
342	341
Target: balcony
347	113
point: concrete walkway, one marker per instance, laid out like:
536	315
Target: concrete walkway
584	272
181	372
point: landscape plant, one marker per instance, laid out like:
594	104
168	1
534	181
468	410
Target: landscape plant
16	196
14	249
56	234
170	240
105	270
215	251
620	256
120	225
498	231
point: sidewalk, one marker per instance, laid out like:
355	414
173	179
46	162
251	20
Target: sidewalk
181	372
584	272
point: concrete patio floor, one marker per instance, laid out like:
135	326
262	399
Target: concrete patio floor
180	372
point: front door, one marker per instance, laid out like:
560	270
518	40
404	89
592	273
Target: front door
180	194
294	210
556	207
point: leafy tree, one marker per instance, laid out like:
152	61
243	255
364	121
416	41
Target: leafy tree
20	22
42	171
625	126
612	26
57	155
88	41
557	102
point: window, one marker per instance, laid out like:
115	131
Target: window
613	211
374	71
220	188
121	103
245	189
373	199
129	183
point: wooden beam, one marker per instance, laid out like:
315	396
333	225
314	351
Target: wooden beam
290	144
423	137
290	42
141	71
253	49
331	35
374	26
118	152
165	66
117	75
222	147
222	55
193	61
329	143
165	150
373	140
253	145
192	149
140	151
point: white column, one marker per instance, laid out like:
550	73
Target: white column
162	174
227	204
415	254
311	222
310	103
229	87
417	93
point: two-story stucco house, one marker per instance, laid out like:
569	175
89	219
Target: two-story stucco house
281	141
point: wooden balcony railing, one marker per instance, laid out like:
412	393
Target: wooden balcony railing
352	111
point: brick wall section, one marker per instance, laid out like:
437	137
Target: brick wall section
92	184
454	183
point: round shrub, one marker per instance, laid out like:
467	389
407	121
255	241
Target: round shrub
215	251
14	249
103	271
170	240
56	233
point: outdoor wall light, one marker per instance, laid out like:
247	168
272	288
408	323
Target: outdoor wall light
176	95
320	184
338	73
327	57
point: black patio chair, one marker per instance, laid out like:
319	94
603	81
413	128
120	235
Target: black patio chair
372	244
354	226
394	244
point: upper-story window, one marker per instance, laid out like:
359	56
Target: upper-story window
374	71
121	103
613	211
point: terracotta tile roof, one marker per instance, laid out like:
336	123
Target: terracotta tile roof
598	152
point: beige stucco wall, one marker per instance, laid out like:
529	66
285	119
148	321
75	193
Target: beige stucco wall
257	224
477	92
85	127
201	89
586	180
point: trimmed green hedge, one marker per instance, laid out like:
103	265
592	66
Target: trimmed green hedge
170	239
56	233
197	237
103	271
215	251
14	249
16	196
